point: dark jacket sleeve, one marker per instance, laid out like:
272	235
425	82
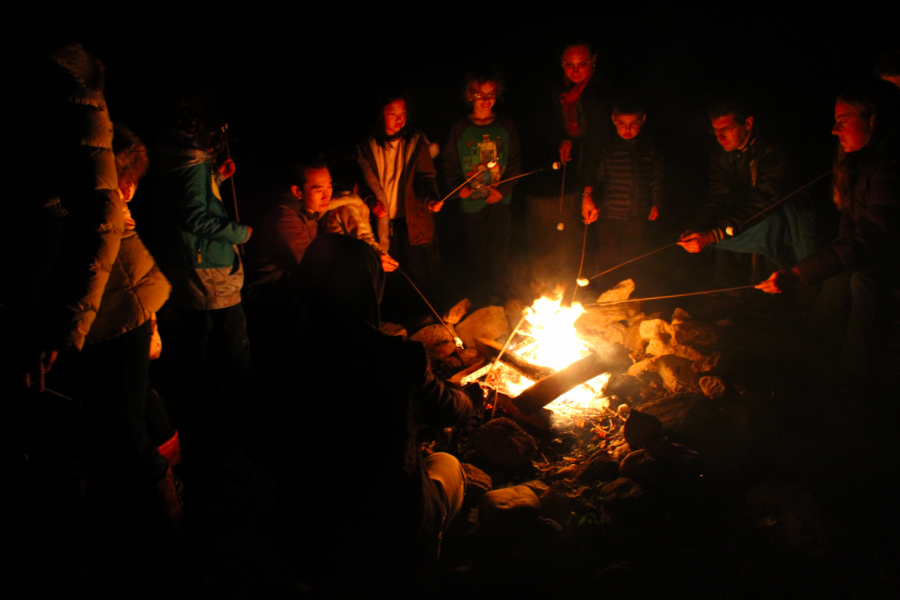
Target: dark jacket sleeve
658	178
730	203
295	234
514	158
868	229
424	174
196	213
439	404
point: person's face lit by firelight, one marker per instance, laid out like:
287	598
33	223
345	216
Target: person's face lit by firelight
577	63
316	192
394	117
851	127
483	96
628	126
731	134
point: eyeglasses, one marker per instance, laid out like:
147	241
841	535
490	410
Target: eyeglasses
481	96
723	130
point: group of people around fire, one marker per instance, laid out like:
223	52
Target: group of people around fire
93	303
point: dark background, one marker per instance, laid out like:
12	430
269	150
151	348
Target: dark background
301	79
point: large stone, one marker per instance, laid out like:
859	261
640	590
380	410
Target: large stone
642	467
488	322
660	338
505	444
508	507
641	429
688	331
455	314
469	356
595	319
634	342
622	494
621	291
514	310
648	364
478	483
599	467
392	329
682	460
677	373
712	387
437	340
673	410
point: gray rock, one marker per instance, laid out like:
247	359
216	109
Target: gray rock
455	314
622	494
642	467
392	329
488	322
514	309
599	467
712	387
641	429
438	341
677	373
505	444
507	507
673	410
621	291
595	319
478	483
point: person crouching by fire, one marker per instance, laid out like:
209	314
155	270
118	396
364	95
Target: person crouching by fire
397	167
861	268
386	505
274	305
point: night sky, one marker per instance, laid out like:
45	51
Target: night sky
293	81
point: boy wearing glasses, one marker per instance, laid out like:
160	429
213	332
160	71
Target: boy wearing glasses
480	138
629	185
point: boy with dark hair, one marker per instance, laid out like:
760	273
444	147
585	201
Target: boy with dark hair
480	138
629	184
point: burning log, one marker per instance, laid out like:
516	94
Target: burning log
546	391
491	349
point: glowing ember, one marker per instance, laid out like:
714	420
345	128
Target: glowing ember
555	344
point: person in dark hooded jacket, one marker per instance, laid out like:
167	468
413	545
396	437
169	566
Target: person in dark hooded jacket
386	504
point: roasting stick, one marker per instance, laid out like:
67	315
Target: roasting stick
584	281
506	344
743	287
554	166
581	265
456	340
562	194
237	216
490	165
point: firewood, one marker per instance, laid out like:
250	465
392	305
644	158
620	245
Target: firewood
491	349
546	391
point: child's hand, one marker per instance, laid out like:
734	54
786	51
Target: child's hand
226	169
379	210
465	192
435	206
589	210
493	196
388	263
565	151
654	214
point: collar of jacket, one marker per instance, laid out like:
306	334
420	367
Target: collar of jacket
739	153
296	204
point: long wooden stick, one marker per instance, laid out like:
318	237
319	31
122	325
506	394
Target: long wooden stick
632	260
581	265
456	340
743	287
237	216
479	172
